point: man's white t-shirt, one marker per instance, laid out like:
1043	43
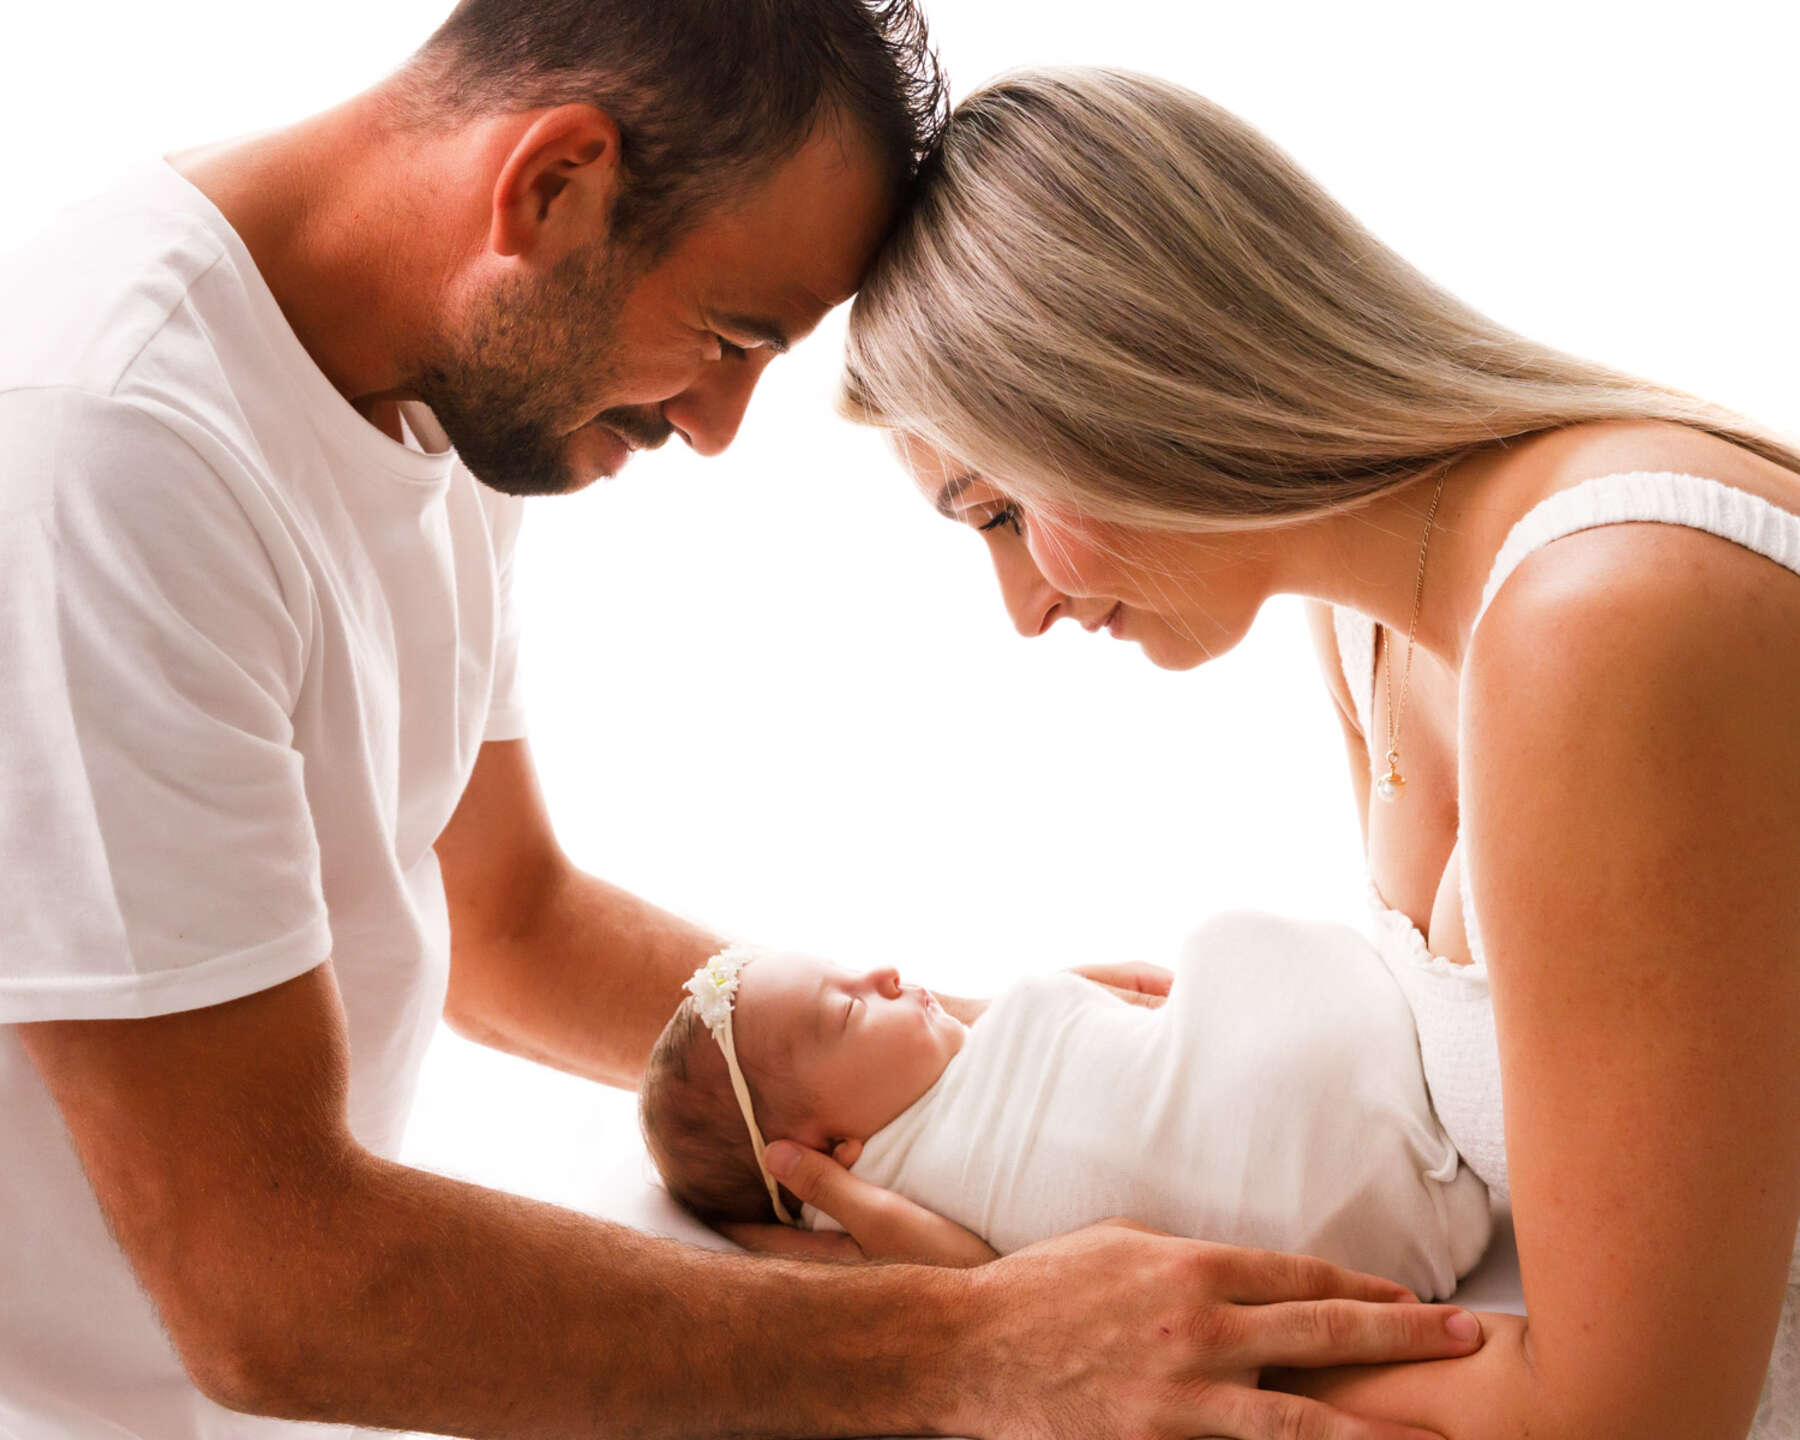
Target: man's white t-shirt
249	648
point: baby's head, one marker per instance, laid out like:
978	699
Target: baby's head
827	1056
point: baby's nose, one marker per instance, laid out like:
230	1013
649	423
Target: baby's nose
886	981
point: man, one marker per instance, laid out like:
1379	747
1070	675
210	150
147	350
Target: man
264	760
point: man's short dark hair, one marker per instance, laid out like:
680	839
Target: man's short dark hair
709	95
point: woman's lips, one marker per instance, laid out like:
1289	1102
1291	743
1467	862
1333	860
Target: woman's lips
1115	621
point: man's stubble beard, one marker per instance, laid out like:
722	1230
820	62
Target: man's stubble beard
524	371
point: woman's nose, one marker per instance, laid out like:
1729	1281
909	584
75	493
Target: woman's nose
1032	602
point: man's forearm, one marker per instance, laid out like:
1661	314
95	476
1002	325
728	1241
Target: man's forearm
585	984
415	1302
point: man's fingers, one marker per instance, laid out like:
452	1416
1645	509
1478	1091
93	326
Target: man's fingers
1268	1415
1352	1332
1263	1277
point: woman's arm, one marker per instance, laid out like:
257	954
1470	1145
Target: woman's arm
1631	788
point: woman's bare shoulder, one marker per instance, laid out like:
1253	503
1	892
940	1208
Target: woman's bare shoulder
1645	609
1565	458
1683	580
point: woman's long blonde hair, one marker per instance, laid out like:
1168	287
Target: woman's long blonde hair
1121	300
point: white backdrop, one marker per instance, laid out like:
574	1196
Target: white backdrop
775	692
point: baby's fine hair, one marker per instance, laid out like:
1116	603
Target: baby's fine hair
693	1127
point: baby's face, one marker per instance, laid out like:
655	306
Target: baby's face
865	1046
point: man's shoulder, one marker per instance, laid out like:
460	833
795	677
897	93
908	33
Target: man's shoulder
86	296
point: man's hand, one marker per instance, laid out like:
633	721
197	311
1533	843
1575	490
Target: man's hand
1121	1321
1140	984
1115	1330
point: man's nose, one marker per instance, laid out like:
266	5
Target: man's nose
708	413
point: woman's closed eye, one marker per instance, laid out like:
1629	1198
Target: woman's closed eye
1008	516
729	351
849	1009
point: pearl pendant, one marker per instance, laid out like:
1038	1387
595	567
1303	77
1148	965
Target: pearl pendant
1391	786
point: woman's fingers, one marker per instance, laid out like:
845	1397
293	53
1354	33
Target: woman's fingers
1139	979
884	1225
793	1244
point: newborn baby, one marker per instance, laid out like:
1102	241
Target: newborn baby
1276	1100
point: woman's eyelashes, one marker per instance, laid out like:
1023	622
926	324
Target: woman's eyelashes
1009	517
728	351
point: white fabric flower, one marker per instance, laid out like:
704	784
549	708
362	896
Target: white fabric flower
714	986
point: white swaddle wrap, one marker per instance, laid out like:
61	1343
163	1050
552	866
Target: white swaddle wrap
1275	1101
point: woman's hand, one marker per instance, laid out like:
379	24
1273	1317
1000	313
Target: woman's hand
1146	985
880	1225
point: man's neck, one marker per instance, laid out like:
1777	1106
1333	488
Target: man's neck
360	233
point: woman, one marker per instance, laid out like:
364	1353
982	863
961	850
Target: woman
1166	377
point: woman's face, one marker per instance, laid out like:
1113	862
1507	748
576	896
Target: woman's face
862	1047
1183	598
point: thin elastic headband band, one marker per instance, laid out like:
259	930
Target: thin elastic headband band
714	988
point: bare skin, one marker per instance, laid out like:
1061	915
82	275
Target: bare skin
1629	814
301	1276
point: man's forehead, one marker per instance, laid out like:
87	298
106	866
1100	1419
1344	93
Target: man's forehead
796	246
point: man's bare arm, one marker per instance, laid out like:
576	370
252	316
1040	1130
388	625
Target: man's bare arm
547	962
301	1276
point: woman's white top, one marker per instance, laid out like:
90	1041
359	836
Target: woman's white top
1275	1101
1451	1003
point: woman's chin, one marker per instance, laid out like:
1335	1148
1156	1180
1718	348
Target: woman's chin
1171	654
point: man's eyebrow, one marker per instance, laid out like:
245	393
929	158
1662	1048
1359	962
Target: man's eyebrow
763	331
947	496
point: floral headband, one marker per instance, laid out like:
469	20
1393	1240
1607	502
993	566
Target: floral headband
714	987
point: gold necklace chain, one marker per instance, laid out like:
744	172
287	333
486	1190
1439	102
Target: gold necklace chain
1392	786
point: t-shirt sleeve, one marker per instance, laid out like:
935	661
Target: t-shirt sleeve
156	846
506	708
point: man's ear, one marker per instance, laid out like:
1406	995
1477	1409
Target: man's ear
557	185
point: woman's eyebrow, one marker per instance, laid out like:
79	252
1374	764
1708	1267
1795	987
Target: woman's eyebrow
948	495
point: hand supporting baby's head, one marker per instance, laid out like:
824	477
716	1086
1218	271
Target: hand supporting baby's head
827	1056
